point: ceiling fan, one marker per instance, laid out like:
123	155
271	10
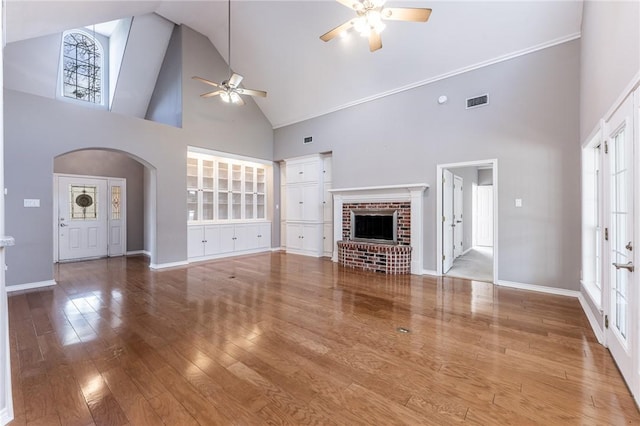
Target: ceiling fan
369	23
229	90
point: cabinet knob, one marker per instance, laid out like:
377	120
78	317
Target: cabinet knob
300	202
300	173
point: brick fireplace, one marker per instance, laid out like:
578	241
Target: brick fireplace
401	258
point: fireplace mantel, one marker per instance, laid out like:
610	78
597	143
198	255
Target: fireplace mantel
389	193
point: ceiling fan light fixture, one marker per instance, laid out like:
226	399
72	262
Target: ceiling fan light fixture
235	97
225	97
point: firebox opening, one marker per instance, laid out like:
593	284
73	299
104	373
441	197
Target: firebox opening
376	226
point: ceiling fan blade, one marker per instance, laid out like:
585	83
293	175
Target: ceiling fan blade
375	42
240	101
252	92
205	81
351	4
211	94
235	80
406	14
336	31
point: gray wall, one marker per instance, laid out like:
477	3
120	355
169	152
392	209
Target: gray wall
531	124
165	105
112	164
38	129
610	57
485	176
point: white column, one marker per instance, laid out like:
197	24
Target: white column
6	405
337	224
417	236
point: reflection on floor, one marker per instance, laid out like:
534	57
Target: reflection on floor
476	264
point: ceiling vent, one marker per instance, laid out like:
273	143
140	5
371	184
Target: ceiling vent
478	101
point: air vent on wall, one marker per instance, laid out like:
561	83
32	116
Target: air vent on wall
477	101
308	139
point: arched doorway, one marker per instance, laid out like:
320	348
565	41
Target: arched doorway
90	167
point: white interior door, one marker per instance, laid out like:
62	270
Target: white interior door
458	225
82	218
620	304
484	216
447	220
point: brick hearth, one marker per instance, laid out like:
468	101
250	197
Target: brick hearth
386	258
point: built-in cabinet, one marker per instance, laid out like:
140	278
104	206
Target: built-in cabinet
209	241
226	207
307	205
220	189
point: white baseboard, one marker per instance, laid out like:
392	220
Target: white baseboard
467	251
539	288
592	319
167	265
230	254
30	286
431	272
278	249
136	252
5	416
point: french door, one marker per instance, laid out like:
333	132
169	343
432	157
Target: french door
620	295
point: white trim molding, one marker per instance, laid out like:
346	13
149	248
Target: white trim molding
597	330
472	67
431	272
137	252
412	192
539	288
168	265
5	416
30	286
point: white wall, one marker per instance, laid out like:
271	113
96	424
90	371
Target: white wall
530	125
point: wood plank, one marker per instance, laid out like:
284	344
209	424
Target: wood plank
279	338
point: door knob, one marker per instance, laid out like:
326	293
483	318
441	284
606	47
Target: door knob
62	225
628	265
629	246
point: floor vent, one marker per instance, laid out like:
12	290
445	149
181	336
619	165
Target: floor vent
477	101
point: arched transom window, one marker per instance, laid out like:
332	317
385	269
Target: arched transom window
82	67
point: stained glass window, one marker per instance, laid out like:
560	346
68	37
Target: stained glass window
82	67
83	202
115	203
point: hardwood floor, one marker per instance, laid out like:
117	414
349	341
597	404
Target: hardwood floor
284	339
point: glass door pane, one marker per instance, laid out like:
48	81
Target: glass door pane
223	177
620	232
207	205
248	206
223	205
260	180
207	174
192	204
260	208
248	180
236	208
192	173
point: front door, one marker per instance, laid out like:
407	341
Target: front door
457	216
620	301
82	218
447	220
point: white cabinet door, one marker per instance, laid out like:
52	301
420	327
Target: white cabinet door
211	240
294	234
327	203
311	203
327	239
326	169
195	241
226	241
294	203
264	236
312	239
242	239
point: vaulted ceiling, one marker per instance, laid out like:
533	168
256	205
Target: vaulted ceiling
276	45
